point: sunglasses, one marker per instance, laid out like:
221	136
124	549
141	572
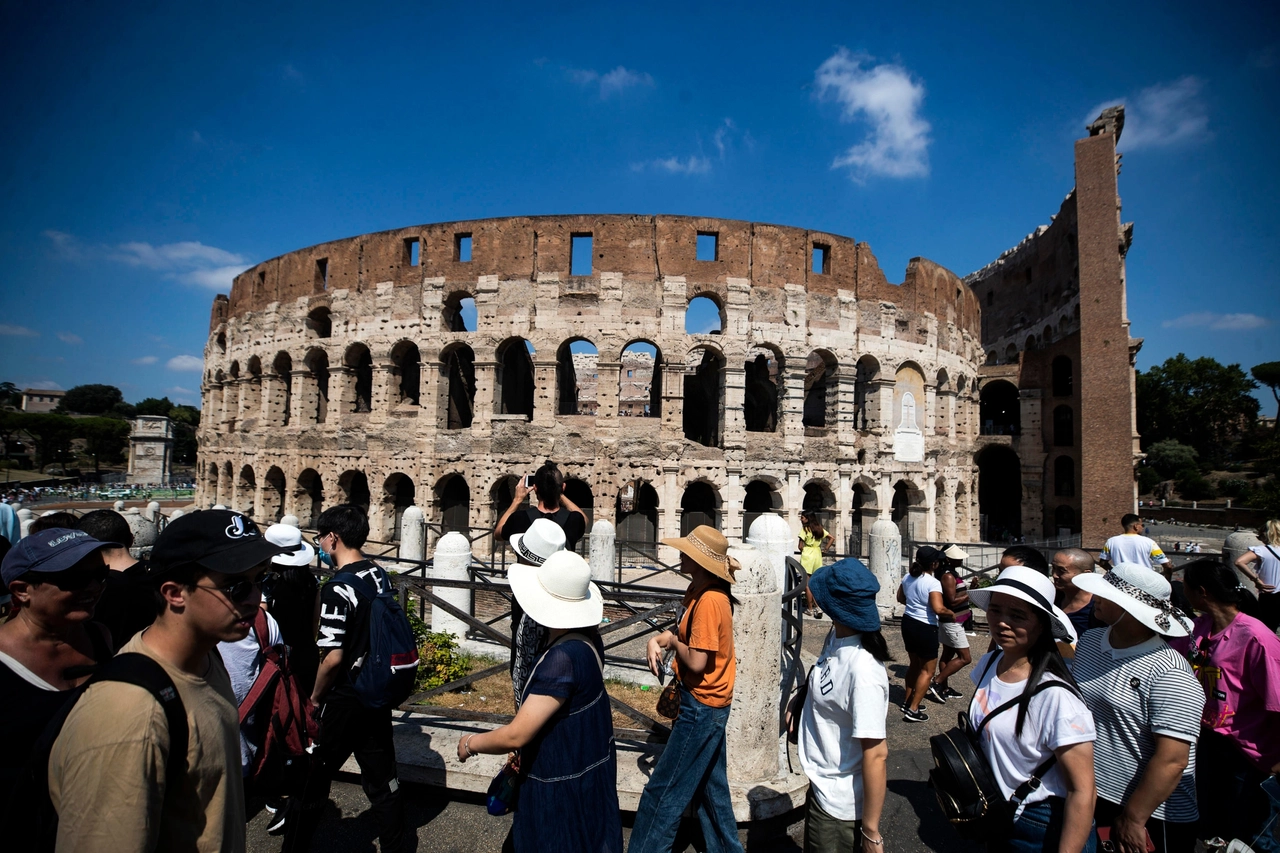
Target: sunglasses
242	590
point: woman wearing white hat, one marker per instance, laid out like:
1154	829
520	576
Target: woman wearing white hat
564	728
291	600
1039	740
1146	704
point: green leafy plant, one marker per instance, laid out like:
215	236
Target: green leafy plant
440	659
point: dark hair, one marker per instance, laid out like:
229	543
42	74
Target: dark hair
1028	556
917	568
184	573
1129	519
5	547
1220	583
55	519
1045	657
107	525
349	521
874	642
549	482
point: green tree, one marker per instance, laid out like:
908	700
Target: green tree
1198	402
51	433
91	399
104	439
151	406
1171	458
10	395
186	419
1268	373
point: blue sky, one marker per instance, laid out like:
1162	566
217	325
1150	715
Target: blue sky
150	153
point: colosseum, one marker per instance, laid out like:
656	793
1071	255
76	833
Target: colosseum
433	364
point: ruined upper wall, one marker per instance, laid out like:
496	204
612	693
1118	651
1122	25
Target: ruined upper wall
637	247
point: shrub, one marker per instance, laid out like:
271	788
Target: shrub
441	661
1233	488
1194	487
1148	479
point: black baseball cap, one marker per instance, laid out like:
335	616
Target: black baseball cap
218	540
54	550
928	554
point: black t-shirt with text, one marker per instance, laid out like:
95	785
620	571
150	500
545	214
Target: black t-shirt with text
344	618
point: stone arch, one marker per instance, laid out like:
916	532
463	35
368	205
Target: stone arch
579	491
453	504
354	486
1011	354
1046	336
577	375
704	396
308	496
212	475
220	341
246	491
637	515
910	415
252	396
1064	520
866	402
999	493
1064	427
319	322
1064	477
406	371
460	311
640	392
273	495
761	497
700	504
704	315
501	494
1030	344
862	514
513	391
281	401
234	370
457	386
358	362
907	510
398	494
999	409
317	362
821	390
1062	372
764	396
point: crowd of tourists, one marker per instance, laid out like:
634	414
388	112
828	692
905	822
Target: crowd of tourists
151	705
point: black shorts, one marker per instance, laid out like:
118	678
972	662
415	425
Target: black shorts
920	638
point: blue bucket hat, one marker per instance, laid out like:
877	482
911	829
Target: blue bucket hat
846	591
54	550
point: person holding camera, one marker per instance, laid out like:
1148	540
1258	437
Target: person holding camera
547	486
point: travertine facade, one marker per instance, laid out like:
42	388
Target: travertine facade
347	372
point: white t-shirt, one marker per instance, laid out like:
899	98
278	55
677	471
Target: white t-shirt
916	590
1056	717
848	701
243	662
1268	570
1133	548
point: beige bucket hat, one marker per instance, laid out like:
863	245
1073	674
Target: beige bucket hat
707	547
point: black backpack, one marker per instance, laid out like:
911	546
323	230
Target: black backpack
962	780
390	668
31	823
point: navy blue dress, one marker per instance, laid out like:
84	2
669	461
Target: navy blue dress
569	797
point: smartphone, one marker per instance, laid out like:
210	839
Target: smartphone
528	481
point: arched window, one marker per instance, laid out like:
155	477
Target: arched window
514	394
704	397
460	312
406	363
820	389
640	383
1064	477
397	496
319	322
246	488
1064	433
999	493
253	393
1063	380
821	501
704	316
309	497
359	364
866	403
700	504
457	366
637	514
282	398
273	487
1064	518
579	491
760	499
762	400
454	497
577	377
317	362
354	486
999	409
907	500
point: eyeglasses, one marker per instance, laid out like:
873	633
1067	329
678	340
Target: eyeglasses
242	589
315	540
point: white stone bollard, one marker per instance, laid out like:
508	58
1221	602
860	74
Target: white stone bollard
603	550
752	732
25	519
771	535
291	520
118	506
177	513
152	511
144	530
413	534
1234	546
452	561
886	563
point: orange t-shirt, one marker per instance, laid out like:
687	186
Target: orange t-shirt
711	631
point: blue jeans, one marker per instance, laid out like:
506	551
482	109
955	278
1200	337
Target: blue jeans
1039	828
690	770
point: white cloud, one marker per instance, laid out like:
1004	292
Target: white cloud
613	82
1164	114
218	278
66	245
178	389
146	359
68	338
691	165
889	99
172	255
1218	322
189	262
185	362
17	331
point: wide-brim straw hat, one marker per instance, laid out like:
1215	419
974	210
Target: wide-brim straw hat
291	537
1142	593
559	593
543	538
1032	587
707	547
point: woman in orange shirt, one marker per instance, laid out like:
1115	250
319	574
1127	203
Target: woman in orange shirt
692	766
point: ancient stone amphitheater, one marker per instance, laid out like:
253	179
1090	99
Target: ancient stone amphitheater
431	365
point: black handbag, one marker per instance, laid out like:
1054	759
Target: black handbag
962	780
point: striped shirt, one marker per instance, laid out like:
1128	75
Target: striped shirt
1135	694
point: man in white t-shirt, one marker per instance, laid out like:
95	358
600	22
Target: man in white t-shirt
1133	547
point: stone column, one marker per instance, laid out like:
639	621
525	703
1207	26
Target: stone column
603	553
734	428
452	561
482	406
413	534
886	562
771	536
752	732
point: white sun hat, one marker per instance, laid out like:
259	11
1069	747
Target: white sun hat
1032	587
543	538
955	552
1141	593
290	537
559	593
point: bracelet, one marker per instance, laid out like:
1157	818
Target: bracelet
879	842
466	745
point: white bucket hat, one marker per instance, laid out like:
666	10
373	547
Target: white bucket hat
290	537
559	593
1032	587
1140	592
543	538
